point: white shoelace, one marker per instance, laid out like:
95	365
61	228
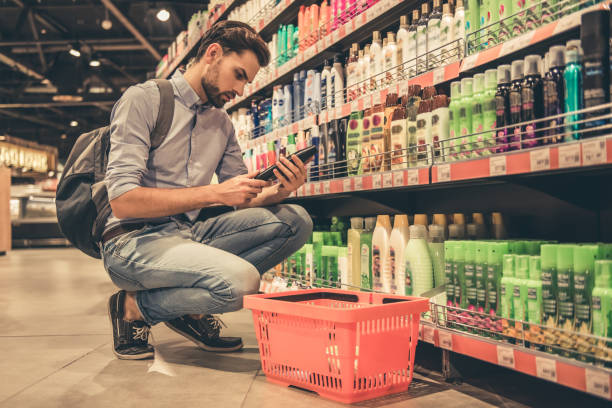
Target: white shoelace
141	333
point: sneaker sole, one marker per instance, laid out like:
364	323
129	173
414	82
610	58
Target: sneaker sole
143	356
204	346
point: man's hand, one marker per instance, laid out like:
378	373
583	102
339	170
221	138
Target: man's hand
239	191
292	174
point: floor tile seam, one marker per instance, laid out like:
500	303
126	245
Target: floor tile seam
52	373
246	394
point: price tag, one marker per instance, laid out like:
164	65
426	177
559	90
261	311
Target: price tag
338	112
428	334
346	185
505	356
370	14
349	27
413	177
336	35
376	98
567	22
540	159
497	166
546	368
377	181
355	105
305	189
439	75
326	187
569	156
367	102
388	180
398	179
317	188
597	383
445	339
444	173
310	52
594	152
358	183
469	62
403	88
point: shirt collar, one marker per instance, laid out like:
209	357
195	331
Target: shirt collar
186	92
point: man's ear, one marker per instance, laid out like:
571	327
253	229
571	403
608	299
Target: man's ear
213	52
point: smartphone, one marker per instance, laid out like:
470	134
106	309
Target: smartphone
303	155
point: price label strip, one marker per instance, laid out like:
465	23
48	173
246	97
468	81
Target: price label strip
546	368
377	181
444	173
505	356
594	152
569	156
446	340
497	166
540	159
326	187
428	334
413	177
387	180
358	183
346	185
597	383
398	179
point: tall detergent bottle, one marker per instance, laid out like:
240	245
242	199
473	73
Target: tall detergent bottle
449	254
381	277
549	284
534	291
366	253
353	143
436	251
495	257
584	271
602	299
465	117
565	285
470	274
450	149
397	245
507	286
354	252
419	270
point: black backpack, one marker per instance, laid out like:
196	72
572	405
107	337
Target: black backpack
81	199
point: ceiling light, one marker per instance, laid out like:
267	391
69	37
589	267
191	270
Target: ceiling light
64	136
75	51
106	24
94	63
43	31
163	15
74	123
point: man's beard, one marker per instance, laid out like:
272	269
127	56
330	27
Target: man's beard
209	85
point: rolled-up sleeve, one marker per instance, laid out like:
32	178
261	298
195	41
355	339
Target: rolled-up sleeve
232	163
132	119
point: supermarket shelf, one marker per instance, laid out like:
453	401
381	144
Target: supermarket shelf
526	40
567	372
283	13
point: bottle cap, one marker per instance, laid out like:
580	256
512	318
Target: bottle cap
296	77
436	4
508	268
522	266
385	42
532	65
535	267
603	274
545	64
458	218
400	220
357	223
361	54
429	92
556	57
403	21
574	44
459	4
572	55
517	70
440	219
420	219
370	223
455	90
383	221
595	34
418	232
415	16
478	83
424	8
467	87
565	257
327	63
469	248
390	37
497	218
481	252
503	74
584	258
456	231
436	233
549	256
446	8
376	37
490	79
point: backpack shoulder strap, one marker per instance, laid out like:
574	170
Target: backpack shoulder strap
165	114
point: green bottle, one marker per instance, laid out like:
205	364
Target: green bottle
317	258
459	274
572	75
331	254
476	144
493	22
506	22
602	299
584	270
519	293
308	264
495	257
565	284
465	117
470	274
472	24
366	254
518	10
481	275
534	14
291	147
549	284
534	291
507	286
343	276
489	113
353	143
455	122
449	280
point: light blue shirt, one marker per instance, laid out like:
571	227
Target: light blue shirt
200	142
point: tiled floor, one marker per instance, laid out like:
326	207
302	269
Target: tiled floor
55	351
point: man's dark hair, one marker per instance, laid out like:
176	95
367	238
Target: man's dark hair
237	37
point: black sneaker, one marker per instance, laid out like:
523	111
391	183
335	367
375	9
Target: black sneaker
205	333
130	339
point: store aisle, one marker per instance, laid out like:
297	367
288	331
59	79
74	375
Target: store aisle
55	351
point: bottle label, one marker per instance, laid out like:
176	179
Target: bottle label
376	268
448	281
481	289
398	142
408	283
392	267
492	278
532	293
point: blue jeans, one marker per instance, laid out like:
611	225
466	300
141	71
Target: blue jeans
178	268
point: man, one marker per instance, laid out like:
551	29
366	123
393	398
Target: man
172	267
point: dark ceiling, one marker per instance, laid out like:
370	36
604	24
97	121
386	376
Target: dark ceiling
37	35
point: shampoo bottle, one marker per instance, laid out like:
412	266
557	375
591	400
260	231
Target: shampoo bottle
602	299
353	143
419	271
489	113
422	47
465	116
403	43
477	117
534	291
459	29
554	93
507	286
515	105
413	34
584	271
440	126
549	284
436	252
532	100
397	245
573	92
381	277
502	108
433	35
366	254
376	61
451	148
565	284
354	252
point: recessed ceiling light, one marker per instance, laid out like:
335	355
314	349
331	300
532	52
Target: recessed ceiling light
94	63
74	123
163	15
106	24
74	51
63	136
43	31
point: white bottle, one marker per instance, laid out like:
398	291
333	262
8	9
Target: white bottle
277	95
447	35
397	245
419	270
412	44
376	61
391	61
359	84
433	35
354	252
381	278
436	251
337	82
288	105
422	47
272	47
459	31
365	71
352	63
326	86
309	90
317	93
403	43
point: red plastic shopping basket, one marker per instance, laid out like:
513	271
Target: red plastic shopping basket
346	346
